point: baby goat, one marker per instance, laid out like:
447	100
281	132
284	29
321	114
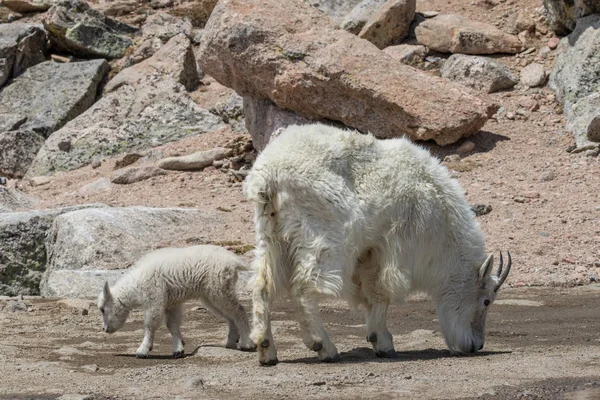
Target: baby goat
161	281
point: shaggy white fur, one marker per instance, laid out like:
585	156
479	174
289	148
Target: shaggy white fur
161	281
343	214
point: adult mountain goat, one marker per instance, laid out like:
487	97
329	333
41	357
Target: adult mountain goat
343	214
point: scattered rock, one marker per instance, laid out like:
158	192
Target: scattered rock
533	75
574	77
264	120
113	238
16	306
529	104
21	46
27	6
430	14
553	43
481	209
164	26
91	367
196	161
12	199
127	160
264	63
34	94
136	174
231	110
17	151
522	23
39	180
175	59
547	176
389	23
76	28
356	19
563	14
23	256
197	11
96	164
466	147
455	34
144	106
408	54
480	73
584	121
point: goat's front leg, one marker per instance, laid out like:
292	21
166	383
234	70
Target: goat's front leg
314	335
261	313
152	320
377	333
174	318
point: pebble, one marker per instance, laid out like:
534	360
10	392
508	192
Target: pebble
39	180
430	14
96	164
452	158
510	115
553	43
91	367
520	199
529	104
531	194
84	312
193	382
466	147
481	209
547	176
568	260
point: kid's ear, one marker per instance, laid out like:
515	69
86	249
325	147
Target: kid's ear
107	295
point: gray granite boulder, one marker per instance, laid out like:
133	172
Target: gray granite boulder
76	28
479	73
23	257
562	14
114	238
144	106
21	46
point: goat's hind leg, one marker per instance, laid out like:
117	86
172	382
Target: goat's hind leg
261	316
174	318
314	335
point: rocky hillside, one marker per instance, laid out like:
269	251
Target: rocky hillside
129	125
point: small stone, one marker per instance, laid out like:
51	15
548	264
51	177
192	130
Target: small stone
553	43
568	260
481	209
510	115
533	75
408	377
520	200
136	174
84	312
91	367
452	158
430	14
592	152
16	306
96	164
127	160
529	104
39	180
196	161
531	194
319	383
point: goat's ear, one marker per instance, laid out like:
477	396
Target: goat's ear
486	267
107	295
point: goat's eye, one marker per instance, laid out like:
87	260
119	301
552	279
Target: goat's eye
486	302
102	310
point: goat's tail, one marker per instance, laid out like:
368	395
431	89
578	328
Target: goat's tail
270	270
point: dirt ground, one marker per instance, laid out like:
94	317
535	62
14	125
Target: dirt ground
542	344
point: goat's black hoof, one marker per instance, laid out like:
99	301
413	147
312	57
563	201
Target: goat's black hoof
179	354
372	338
269	363
387	354
316	346
333	359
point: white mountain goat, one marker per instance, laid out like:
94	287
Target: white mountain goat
343	214
161	281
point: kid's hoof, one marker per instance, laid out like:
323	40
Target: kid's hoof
387	354
248	348
335	358
141	355
269	363
316	346
372	338
179	354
